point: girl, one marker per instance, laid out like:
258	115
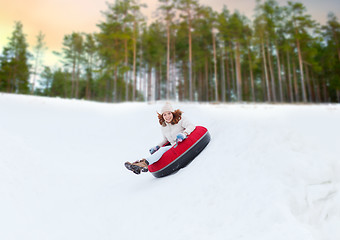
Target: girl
175	129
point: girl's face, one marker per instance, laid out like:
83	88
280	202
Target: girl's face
168	116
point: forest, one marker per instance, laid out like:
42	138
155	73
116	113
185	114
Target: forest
189	53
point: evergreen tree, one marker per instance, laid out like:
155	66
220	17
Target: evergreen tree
191	52
113	52
14	63
46	79
189	8
136	19
329	58
38	52
90	49
299	24
167	9
260	36
154	54
225	36
237	26
60	86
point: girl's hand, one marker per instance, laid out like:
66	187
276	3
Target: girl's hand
180	137
153	149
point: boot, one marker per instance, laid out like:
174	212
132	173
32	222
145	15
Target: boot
142	164
138	166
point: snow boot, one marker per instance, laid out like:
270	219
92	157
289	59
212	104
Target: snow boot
138	166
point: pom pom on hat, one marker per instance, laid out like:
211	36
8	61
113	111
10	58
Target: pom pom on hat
167	108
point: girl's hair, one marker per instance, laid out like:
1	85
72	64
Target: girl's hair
177	116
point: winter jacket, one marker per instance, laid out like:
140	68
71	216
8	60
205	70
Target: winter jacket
170	131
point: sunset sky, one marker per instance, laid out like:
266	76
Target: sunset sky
55	18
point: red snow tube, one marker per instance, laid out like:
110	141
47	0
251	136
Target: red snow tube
181	155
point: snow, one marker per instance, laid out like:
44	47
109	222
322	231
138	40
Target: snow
269	172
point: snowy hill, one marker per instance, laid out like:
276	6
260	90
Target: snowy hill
269	172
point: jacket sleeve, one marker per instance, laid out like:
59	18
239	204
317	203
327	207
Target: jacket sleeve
188	126
164	141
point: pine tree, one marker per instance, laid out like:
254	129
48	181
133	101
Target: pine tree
329	58
38	52
90	54
154	52
332	32
111	52
225	36
299	24
46	81
236	24
73	51
167	9
14	63
189	7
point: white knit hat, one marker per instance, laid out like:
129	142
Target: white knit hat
167	108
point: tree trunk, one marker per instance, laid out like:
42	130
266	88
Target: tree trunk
263	85
284	78
89	77
126	71
324	91
296	88
141	71
115	84
233	77
215	67
9	80
200	85
35	71
73	77
145	84
316	89
290	85
183	83
228	74
206	79
238	72
251	76
271	71
65	88
190	57
245	85
149	82
157	85
265	71
87	90
77	80
304	95
223	77
173	72
194	87
107	90
168	62
279	72
308	83
134	61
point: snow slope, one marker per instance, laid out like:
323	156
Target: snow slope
269	172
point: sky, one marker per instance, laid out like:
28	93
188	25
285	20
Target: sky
56	18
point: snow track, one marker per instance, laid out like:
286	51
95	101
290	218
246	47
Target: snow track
269	172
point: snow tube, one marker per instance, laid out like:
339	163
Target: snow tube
182	154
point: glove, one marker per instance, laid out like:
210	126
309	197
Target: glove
180	137
153	149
